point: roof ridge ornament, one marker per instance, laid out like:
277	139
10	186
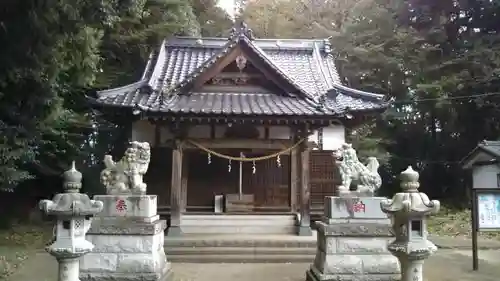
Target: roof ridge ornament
241	30
241	62
327	45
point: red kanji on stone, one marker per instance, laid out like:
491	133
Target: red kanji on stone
121	205
359	207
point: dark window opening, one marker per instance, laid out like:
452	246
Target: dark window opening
416	227
66	224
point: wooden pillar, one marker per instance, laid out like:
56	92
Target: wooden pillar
294	181
305	191
184	180
176	191
157	134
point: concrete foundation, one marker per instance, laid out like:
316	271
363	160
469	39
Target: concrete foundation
352	242
128	237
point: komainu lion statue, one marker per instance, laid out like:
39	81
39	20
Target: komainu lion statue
126	175
353	173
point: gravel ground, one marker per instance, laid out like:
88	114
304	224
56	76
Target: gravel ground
445	265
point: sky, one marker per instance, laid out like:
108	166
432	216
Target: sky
227	5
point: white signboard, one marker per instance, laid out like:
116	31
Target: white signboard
488	206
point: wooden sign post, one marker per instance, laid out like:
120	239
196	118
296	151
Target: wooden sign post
485	217
484	163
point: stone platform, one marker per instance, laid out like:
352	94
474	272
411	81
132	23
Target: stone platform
352	242
241	248
128	237
239	223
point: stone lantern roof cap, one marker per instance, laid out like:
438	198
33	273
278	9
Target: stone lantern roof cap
410	202
71	202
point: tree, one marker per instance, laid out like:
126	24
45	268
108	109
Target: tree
48	51
440	60
441	65
138	29
213	20
297	18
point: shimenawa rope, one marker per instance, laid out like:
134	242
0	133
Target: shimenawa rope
245	159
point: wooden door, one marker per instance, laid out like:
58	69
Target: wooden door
269	183
322	176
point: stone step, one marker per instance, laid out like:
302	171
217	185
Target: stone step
239	229
239	220
239	223
219	258
240	217
185	251
241	241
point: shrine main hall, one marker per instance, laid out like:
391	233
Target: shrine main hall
242	129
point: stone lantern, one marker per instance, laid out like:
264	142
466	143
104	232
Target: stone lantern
408	210
73	211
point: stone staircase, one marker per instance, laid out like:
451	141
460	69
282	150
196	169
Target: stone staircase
241	248
239	223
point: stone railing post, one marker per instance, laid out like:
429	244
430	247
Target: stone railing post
73	211
409	210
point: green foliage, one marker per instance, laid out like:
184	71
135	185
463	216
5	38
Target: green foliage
53	53
440	60
213	20
138	29
38	67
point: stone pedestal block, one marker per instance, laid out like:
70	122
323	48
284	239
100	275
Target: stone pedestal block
128	238
356	209
352	242
130	206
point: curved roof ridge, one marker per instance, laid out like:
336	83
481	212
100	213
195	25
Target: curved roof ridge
264	43
149	66
269	61
317	58
489	142
156	76
486	146
118	90
331	67
208	63
359	92
256	39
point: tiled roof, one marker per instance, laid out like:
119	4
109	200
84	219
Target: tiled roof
239	103
306	65
491	148
185	60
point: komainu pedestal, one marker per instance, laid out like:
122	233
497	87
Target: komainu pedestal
128	236
352	242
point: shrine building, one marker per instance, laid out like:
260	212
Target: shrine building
239	126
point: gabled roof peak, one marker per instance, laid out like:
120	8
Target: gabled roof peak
491	148
304	69
271	44
489	143
241	30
